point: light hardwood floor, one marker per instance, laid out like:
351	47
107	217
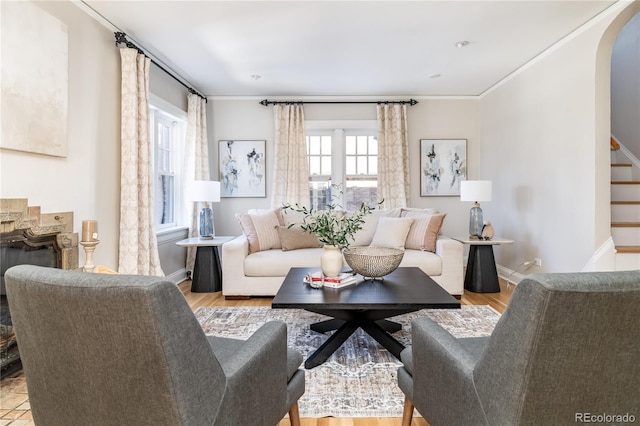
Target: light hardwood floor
14	404
498	301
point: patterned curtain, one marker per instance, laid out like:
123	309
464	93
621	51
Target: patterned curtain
291	171
138	247
196	162
393	155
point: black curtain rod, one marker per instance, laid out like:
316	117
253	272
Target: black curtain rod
121	38
266	102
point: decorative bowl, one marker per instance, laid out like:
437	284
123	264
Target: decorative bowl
373	262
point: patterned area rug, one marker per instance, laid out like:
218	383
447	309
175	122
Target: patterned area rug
359	379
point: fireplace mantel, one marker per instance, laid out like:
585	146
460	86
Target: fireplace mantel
19	221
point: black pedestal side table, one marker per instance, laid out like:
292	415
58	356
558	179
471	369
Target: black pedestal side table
481	275
207	271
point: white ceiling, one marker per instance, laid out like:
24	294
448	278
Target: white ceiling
345	48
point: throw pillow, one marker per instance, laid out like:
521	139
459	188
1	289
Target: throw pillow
424	232
392	232
261	229
295	238
364	236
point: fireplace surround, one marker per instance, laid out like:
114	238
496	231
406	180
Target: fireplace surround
28	236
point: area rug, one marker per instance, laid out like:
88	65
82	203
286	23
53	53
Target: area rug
359	379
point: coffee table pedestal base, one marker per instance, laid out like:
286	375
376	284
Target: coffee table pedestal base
346	322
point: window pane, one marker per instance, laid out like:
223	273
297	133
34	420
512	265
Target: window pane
362	144
320	194
373	165
373	146
326	165
361	191
362	165
326	145
314	145
164	199
351	145
314	165
351	165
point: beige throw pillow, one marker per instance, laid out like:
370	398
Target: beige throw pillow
392	232
261	229
364	236
295	238
424	231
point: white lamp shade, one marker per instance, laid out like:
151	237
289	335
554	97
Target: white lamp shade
204	190
475	190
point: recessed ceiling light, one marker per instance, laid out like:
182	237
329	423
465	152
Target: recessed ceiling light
256	76
462	43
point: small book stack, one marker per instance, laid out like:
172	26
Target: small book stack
342	280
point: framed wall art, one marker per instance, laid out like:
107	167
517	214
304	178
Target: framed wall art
443	165
35	61
242	168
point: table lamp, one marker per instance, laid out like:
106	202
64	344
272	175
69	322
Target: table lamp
209	192
476	191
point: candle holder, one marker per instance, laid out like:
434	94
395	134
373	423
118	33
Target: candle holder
89	248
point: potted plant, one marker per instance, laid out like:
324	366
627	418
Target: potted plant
334	227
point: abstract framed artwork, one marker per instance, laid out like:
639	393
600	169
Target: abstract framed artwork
242	168
443	165
34	99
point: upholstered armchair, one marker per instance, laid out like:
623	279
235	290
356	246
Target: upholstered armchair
127	350
567	347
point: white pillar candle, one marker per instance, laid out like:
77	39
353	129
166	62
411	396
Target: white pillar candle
89	230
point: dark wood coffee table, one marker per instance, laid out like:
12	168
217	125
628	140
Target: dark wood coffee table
364	305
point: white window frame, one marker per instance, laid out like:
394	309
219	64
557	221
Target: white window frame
159	109
339	129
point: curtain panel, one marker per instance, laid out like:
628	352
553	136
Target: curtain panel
196	163
393	155
138	247
291	169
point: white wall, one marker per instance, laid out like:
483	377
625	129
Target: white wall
430	119
545	146
87	180
625	86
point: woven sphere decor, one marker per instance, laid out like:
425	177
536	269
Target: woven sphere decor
373	262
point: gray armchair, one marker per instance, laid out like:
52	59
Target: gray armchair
567	347
127	350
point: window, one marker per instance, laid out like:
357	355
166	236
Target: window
319	153
346	157
361	171
166	134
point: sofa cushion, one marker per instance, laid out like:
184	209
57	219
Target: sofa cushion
276	263
392	232
424	232
430	263
296	238
261	229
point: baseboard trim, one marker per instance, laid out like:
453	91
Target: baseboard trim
178	276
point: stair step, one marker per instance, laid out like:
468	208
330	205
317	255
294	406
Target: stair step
625	224
625	192
621	165
625	182
625	212
625	202
628	249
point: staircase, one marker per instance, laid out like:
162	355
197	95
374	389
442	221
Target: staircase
625	209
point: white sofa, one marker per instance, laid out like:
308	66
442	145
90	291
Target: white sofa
262	272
